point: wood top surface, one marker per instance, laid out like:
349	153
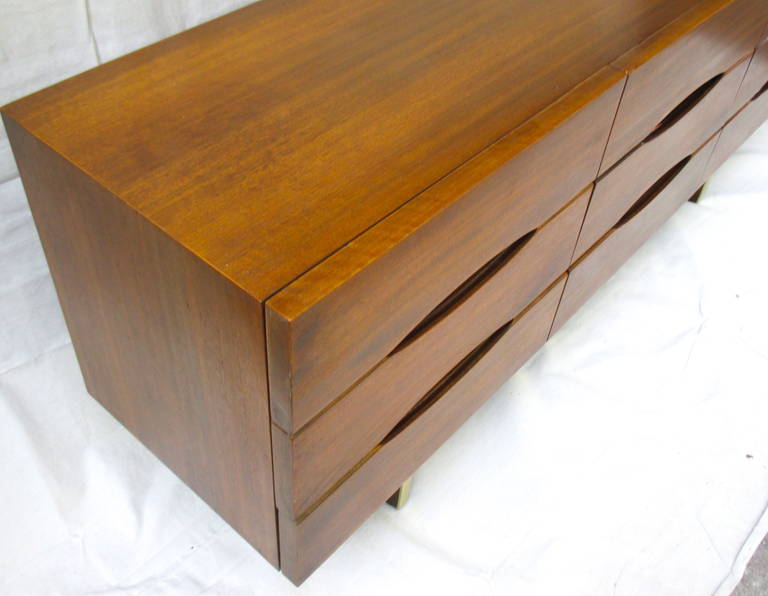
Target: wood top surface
271	137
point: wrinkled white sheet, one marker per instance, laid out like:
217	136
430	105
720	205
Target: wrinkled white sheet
629	457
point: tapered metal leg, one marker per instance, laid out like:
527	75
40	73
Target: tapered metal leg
400	498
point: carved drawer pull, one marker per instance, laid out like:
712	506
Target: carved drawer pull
465	290
685	106
650	194
760	92
448	381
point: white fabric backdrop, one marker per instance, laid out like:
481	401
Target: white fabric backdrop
629	457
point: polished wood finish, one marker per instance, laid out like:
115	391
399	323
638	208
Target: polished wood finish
299	245
670	65
618	188
268	138
306	542
318	455
649	210
165	343
409	262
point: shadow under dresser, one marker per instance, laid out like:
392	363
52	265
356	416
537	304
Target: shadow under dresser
299	245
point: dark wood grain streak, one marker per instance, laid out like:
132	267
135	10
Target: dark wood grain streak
165	343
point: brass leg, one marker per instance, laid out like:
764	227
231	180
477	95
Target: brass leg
400	498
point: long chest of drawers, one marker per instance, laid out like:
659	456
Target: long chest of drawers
298	246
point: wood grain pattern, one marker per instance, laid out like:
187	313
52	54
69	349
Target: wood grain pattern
165	343
317	226
649	210
304	544
671	64
319	454
326	329
268	138
618	188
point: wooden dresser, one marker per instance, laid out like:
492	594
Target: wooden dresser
298	246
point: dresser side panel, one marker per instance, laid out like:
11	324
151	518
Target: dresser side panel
173	350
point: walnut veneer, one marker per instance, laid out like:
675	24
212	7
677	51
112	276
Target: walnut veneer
297	246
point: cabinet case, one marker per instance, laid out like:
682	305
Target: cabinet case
297	246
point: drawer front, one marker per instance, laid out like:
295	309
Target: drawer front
329	446
304	544
330	327
631	230
756	77
618	188
662	84
739	128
